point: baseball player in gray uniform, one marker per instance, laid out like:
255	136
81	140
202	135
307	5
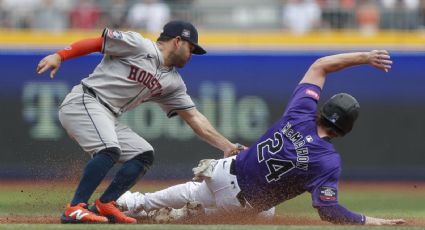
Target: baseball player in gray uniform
133	70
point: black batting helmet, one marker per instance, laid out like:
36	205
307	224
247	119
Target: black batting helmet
341	111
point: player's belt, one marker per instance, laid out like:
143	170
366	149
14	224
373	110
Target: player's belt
233	167
239	196
91	92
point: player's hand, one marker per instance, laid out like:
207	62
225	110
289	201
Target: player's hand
235	150
52	62
380	59
379	221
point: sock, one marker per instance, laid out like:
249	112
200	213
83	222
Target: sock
96	169
125	178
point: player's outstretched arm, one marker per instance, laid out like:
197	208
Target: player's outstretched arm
203	128
317	72
338	214
76	49
378	221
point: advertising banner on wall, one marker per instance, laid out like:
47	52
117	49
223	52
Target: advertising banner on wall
240	93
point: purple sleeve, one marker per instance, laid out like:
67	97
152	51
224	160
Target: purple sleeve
324	190
337	214
303	102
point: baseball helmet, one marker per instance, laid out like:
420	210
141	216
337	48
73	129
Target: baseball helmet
341	111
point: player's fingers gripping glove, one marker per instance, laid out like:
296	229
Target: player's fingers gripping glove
236	150
204	169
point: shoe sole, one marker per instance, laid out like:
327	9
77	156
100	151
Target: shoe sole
66	220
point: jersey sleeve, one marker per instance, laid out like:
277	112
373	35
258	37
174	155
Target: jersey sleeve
338	214
175	100
303	101
119	44
324	190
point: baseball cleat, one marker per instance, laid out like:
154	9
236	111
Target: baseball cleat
163	215
167	215
114	215
127	204
194	209
121	201
79	214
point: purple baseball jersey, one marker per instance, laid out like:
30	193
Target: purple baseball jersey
290	158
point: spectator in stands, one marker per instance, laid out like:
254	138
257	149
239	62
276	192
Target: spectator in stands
367	15
149	15
117	13
85	15
337	14
301	16
4	16
20	12
422	14
400	14
185	9
49	15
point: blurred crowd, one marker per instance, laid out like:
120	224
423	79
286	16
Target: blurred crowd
296	16
301	16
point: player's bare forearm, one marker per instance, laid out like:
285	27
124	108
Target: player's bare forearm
203	128
338	62
322	67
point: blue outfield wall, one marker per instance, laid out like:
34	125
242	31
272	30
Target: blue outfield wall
241	93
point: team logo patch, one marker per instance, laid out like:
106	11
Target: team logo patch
115	34
334	117
312	94
327	193
309	138
186	33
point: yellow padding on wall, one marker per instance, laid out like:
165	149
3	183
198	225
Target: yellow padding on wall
49	39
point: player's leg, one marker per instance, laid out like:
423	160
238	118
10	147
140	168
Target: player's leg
218	191
225	187
223	184
174	197
137	157
173	203
92	127
178	196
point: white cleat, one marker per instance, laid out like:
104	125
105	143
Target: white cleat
126	203
193	209
162	216
167	215
122	201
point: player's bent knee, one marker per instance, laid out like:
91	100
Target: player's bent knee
146	158
112	152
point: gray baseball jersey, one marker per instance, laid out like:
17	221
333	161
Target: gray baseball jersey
131	72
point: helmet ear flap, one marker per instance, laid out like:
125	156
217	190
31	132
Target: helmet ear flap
341	111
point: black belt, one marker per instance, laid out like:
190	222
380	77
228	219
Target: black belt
91	92
233	167
239	196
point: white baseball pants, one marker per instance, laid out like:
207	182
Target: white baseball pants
216	194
